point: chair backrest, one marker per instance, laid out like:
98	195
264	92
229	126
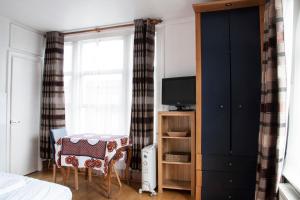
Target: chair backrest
55	135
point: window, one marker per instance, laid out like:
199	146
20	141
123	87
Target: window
97	76
292	33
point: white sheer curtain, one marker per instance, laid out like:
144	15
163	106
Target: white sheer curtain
97	74
292	33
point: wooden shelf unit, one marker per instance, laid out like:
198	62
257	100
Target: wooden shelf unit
176	175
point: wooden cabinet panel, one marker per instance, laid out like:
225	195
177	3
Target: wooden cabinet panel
199	178
245	80
215	83
198	161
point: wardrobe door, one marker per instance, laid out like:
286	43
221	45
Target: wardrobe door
215	83
245	80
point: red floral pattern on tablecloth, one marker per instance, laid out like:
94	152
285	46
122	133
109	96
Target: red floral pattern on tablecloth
72	160
92	163
112	145
124	141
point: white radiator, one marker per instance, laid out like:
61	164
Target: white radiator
148	170
287	192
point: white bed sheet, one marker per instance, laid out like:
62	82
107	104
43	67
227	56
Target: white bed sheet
36	190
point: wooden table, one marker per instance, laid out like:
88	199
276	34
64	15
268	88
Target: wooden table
94	152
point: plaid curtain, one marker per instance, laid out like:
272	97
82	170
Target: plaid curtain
53	103
272	134
141	133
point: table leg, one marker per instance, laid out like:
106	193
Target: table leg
86	174
68	173
63	173
128	162
76	178
54	173
90	174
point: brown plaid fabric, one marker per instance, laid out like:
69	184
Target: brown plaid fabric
53	103
273	98
141	133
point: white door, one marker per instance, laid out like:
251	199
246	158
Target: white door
24	113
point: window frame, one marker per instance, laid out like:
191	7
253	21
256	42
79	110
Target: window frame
76	75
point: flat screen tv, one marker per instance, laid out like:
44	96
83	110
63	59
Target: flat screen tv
179	91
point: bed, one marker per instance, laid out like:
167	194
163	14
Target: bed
15	187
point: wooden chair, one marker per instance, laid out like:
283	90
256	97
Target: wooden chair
111	168
55	135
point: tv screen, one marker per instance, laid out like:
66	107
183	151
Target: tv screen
180	91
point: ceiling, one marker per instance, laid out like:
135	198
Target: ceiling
63	15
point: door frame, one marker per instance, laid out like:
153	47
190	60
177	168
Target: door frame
38	59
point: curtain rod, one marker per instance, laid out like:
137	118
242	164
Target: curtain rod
99	29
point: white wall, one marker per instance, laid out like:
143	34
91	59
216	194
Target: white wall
20	39
175	56
180	48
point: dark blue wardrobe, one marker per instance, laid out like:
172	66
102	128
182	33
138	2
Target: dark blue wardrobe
230	102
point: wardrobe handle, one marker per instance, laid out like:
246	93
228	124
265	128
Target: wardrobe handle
221	106
240	106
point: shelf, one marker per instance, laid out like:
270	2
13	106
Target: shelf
177	184
177	114
176	163
180	138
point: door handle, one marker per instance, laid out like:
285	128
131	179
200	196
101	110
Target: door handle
14	122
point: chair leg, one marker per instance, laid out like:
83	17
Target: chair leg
109	182
49	163
68	173
54	173
86	173
128	162
76	178
117	175
90	174
63	173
